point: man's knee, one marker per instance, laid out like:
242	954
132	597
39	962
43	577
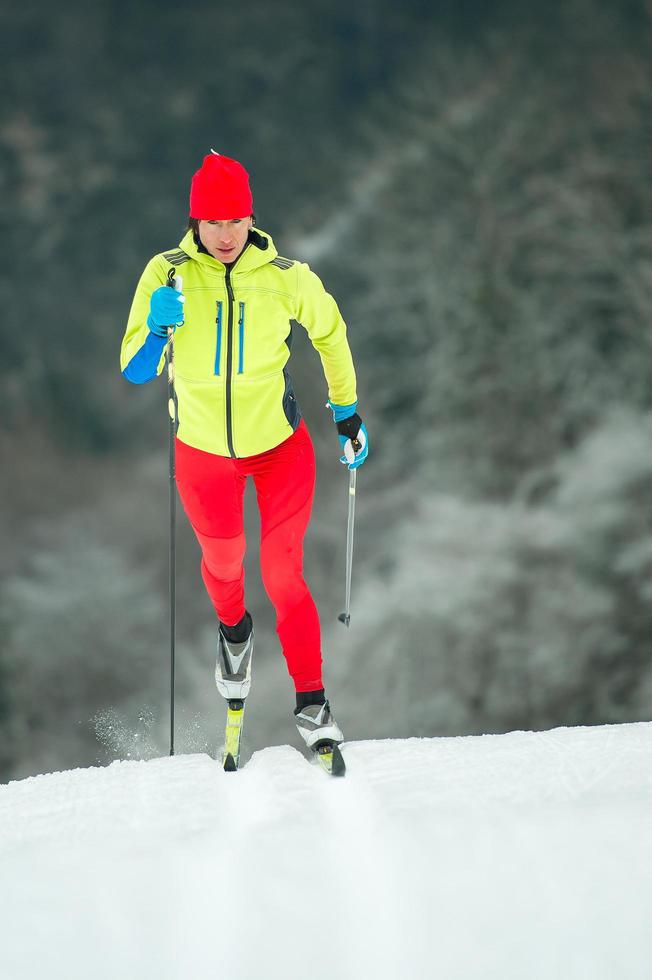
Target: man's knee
223	557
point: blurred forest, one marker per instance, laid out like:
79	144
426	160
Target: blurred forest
471	180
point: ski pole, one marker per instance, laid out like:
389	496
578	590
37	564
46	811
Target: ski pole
345	617
176	283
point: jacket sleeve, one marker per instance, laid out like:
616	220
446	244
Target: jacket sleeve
142	354
318	313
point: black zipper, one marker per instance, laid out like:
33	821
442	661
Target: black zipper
229	353
229	365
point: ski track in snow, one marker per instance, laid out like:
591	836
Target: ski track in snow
517	857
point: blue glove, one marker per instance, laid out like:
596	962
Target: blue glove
165	310
352	434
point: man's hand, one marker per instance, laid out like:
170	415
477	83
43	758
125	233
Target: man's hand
165	310
352	434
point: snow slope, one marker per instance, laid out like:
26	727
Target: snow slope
521	856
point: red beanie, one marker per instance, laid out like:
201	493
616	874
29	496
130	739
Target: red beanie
220	190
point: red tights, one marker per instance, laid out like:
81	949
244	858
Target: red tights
212	492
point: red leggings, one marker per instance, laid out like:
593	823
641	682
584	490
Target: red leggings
212	491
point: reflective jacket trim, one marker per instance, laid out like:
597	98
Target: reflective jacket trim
177	257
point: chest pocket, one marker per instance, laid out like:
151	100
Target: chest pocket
218	336
241	338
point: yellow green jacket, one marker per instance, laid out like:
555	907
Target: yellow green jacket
233	389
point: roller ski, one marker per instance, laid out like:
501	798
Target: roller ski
322	735
233	680
233	735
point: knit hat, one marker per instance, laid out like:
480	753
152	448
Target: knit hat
220	190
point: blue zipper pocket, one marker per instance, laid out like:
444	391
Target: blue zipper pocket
218	348
241	326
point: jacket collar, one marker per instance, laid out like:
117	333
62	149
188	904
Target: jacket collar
258	251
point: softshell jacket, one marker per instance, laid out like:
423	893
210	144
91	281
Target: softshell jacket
234	392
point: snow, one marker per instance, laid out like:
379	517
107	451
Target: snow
523	856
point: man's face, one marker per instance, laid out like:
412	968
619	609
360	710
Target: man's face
225	239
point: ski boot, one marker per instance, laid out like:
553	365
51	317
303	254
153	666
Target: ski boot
322	735
233	679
